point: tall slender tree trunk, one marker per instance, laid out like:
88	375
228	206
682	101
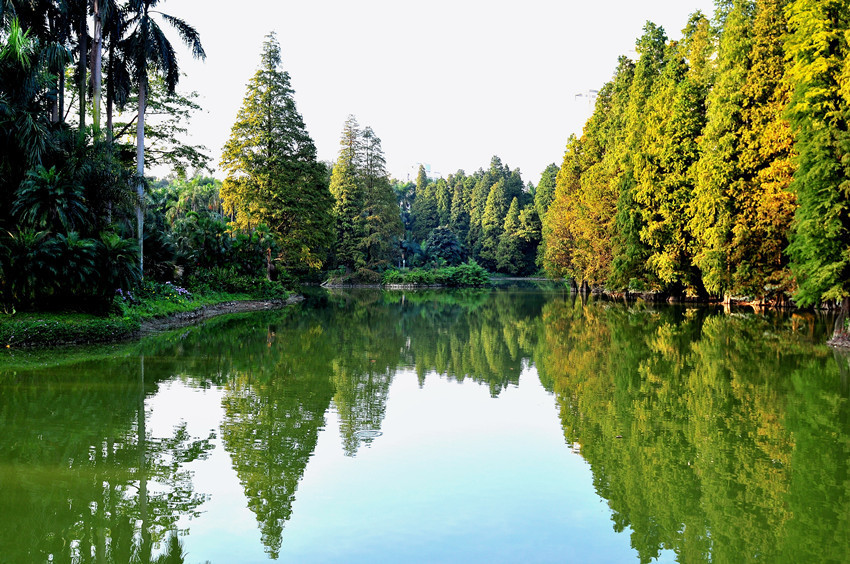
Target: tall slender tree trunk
60	99
96	59
82	66
55	112
140	172
110	92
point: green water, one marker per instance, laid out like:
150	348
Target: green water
513	426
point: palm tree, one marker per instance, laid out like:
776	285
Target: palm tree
149	50
108	20
118	79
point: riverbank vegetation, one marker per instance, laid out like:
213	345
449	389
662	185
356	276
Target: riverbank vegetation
716	164
711	167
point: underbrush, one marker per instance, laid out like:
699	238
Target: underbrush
131	307
60	328
467	275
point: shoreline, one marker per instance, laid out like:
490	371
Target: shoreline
203	313
44	336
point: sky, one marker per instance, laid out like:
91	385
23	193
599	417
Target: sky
444	83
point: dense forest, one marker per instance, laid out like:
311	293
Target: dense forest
716	164
712	165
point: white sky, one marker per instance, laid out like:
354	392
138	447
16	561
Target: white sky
447	83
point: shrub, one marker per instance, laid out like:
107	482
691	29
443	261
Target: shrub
227	280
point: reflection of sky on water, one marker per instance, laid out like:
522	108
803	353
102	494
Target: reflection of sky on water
457	476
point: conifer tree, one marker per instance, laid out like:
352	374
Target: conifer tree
819	113
348	197
629	252
424	208
459	215
545	192
674	119
382	225
273	177
718	175
560	243
765	206
509	253
492	223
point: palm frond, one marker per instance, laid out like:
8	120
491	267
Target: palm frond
190	36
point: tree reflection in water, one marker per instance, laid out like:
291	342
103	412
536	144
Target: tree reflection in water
720	437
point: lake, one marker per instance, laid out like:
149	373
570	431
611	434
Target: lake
506	425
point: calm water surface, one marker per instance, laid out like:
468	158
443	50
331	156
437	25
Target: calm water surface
475	426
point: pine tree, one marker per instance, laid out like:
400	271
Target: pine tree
560	243
424	208
273	177
509	256
674	119
718	175
459	215
382	222
492	223
819	113
765	206
545	192
348	197
629	251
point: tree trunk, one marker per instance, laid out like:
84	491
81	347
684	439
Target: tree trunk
97	53
110	92
840	334
140	172
269	264
82	66
61	98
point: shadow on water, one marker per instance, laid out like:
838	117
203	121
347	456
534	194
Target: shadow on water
720	437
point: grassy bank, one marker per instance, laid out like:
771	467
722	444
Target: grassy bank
128	312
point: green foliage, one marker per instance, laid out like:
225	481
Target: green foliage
273	176
412	277
47	200
55	329
545	192
819	112
443	245
469	274
220	279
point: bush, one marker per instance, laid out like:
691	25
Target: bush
227	280
414	277
464	275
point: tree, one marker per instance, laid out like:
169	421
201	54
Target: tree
443	244
509	253
545	191
493	223
348	196
718	176
819	111
674	119
765	205
629	252
150	50
382	221
273	176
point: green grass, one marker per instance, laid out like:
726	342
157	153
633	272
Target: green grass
151	301
28	329
164	306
